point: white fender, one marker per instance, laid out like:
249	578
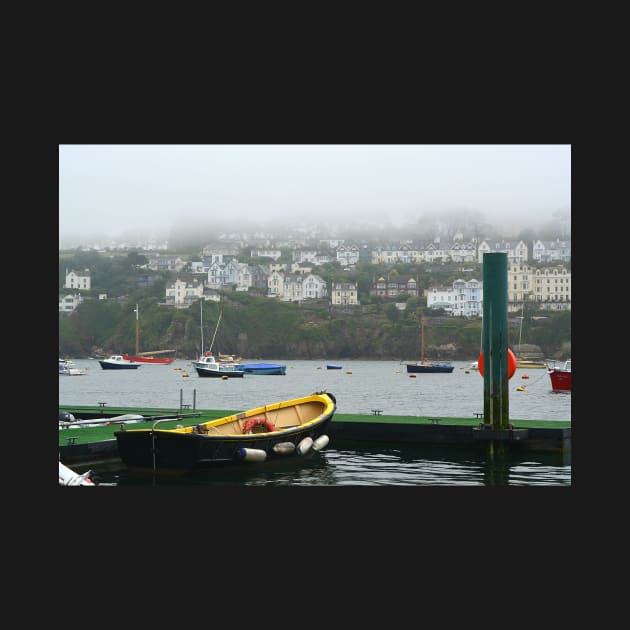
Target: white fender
304	446
252	454
284	448
320	442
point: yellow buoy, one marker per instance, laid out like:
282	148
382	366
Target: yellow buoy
520	389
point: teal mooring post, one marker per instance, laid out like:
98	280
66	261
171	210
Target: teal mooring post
495	341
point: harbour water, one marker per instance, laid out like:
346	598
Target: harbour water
359	387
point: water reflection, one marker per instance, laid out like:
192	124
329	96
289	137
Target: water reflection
366	464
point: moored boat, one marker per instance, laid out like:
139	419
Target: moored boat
208	366
117	362
560	376
530	364
147	357
333	366
67	368
426	366
420	367
273	431
264	368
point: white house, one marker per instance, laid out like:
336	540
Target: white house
292	287
313	287
305	256
230	273
347	255
184	292
165	263
67	303
78	280
552	251
463	299
516	250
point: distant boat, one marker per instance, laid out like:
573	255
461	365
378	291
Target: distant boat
147	357
150	359
117	362
425	366
67	368
530	364
219	358
333	366
560	376
208	366
264	368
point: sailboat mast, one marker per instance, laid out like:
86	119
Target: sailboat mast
422	339
137	331
215	330
201	323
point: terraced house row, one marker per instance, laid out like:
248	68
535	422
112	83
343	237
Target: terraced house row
549	287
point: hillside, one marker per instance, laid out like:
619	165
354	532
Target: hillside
258	327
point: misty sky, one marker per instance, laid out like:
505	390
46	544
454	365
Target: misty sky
111	189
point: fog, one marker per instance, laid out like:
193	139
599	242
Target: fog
108	191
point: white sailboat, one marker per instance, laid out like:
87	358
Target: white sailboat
207	364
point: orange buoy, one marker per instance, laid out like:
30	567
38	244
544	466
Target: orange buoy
511	364
259	421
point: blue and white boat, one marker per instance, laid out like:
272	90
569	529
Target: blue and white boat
118	362
207	365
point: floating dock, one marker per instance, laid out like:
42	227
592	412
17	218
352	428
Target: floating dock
96	445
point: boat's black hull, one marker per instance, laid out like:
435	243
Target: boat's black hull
113	366
428	369
170	452
205	373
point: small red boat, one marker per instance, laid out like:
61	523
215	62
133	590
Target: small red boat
146	357
560	376
141	359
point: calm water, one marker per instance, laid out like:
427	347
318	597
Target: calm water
358	387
